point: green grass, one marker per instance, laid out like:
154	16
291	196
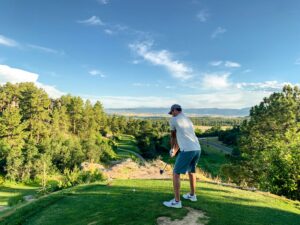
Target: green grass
12	193
128	142
126	155
118	203
211	160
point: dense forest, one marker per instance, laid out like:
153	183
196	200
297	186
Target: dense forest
40	135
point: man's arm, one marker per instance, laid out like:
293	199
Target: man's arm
174	144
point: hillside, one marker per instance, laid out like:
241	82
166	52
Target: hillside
135	202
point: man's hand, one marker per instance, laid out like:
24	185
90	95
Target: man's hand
172	153
174	144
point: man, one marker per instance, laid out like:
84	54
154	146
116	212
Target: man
183	137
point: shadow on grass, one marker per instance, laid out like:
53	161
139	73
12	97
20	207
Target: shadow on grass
140	202
13	195
212	190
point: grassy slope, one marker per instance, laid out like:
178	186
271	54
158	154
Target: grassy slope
127	142
120	204
211	160
11	193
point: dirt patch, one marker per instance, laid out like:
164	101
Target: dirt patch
194	217
2	208
128	169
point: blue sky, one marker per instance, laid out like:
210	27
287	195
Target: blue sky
133	53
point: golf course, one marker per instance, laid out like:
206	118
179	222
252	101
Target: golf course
138	202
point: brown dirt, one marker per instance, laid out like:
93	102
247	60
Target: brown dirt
128	169
194	217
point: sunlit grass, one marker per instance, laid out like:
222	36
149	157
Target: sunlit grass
136	202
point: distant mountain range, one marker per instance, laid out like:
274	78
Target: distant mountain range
150	112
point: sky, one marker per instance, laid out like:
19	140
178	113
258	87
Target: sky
152	53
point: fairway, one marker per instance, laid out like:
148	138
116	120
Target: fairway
135	202
11	193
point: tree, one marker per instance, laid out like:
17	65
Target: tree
35	109
100	117
88	125
270	143
30	156
12	140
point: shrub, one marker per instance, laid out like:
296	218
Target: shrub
76	176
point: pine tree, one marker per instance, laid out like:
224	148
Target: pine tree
12	140
88	125
100	117
35	109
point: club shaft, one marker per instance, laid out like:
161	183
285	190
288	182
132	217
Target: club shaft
165	166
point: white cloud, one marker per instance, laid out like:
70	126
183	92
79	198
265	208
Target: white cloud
52	91
228	99
170	87
15	75
103	2
297	62
217	32
12	43
94	21
231	64
45	49
131	101
108	31
96	73
218	93
216	63
162	58
202	15
136	61
215	81
7	41
228	64
247	71
268	86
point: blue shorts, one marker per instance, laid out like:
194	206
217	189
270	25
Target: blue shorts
186	162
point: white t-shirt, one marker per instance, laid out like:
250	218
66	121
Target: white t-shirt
185	134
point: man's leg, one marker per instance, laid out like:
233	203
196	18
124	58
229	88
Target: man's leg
176	186
192	177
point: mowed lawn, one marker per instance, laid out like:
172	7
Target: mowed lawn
128	142
11	193
139	202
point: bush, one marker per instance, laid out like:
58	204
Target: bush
198	132
232	173
76	176
2	179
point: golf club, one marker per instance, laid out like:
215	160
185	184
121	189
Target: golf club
161	171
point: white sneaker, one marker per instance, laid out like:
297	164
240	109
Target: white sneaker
173	204
188	196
